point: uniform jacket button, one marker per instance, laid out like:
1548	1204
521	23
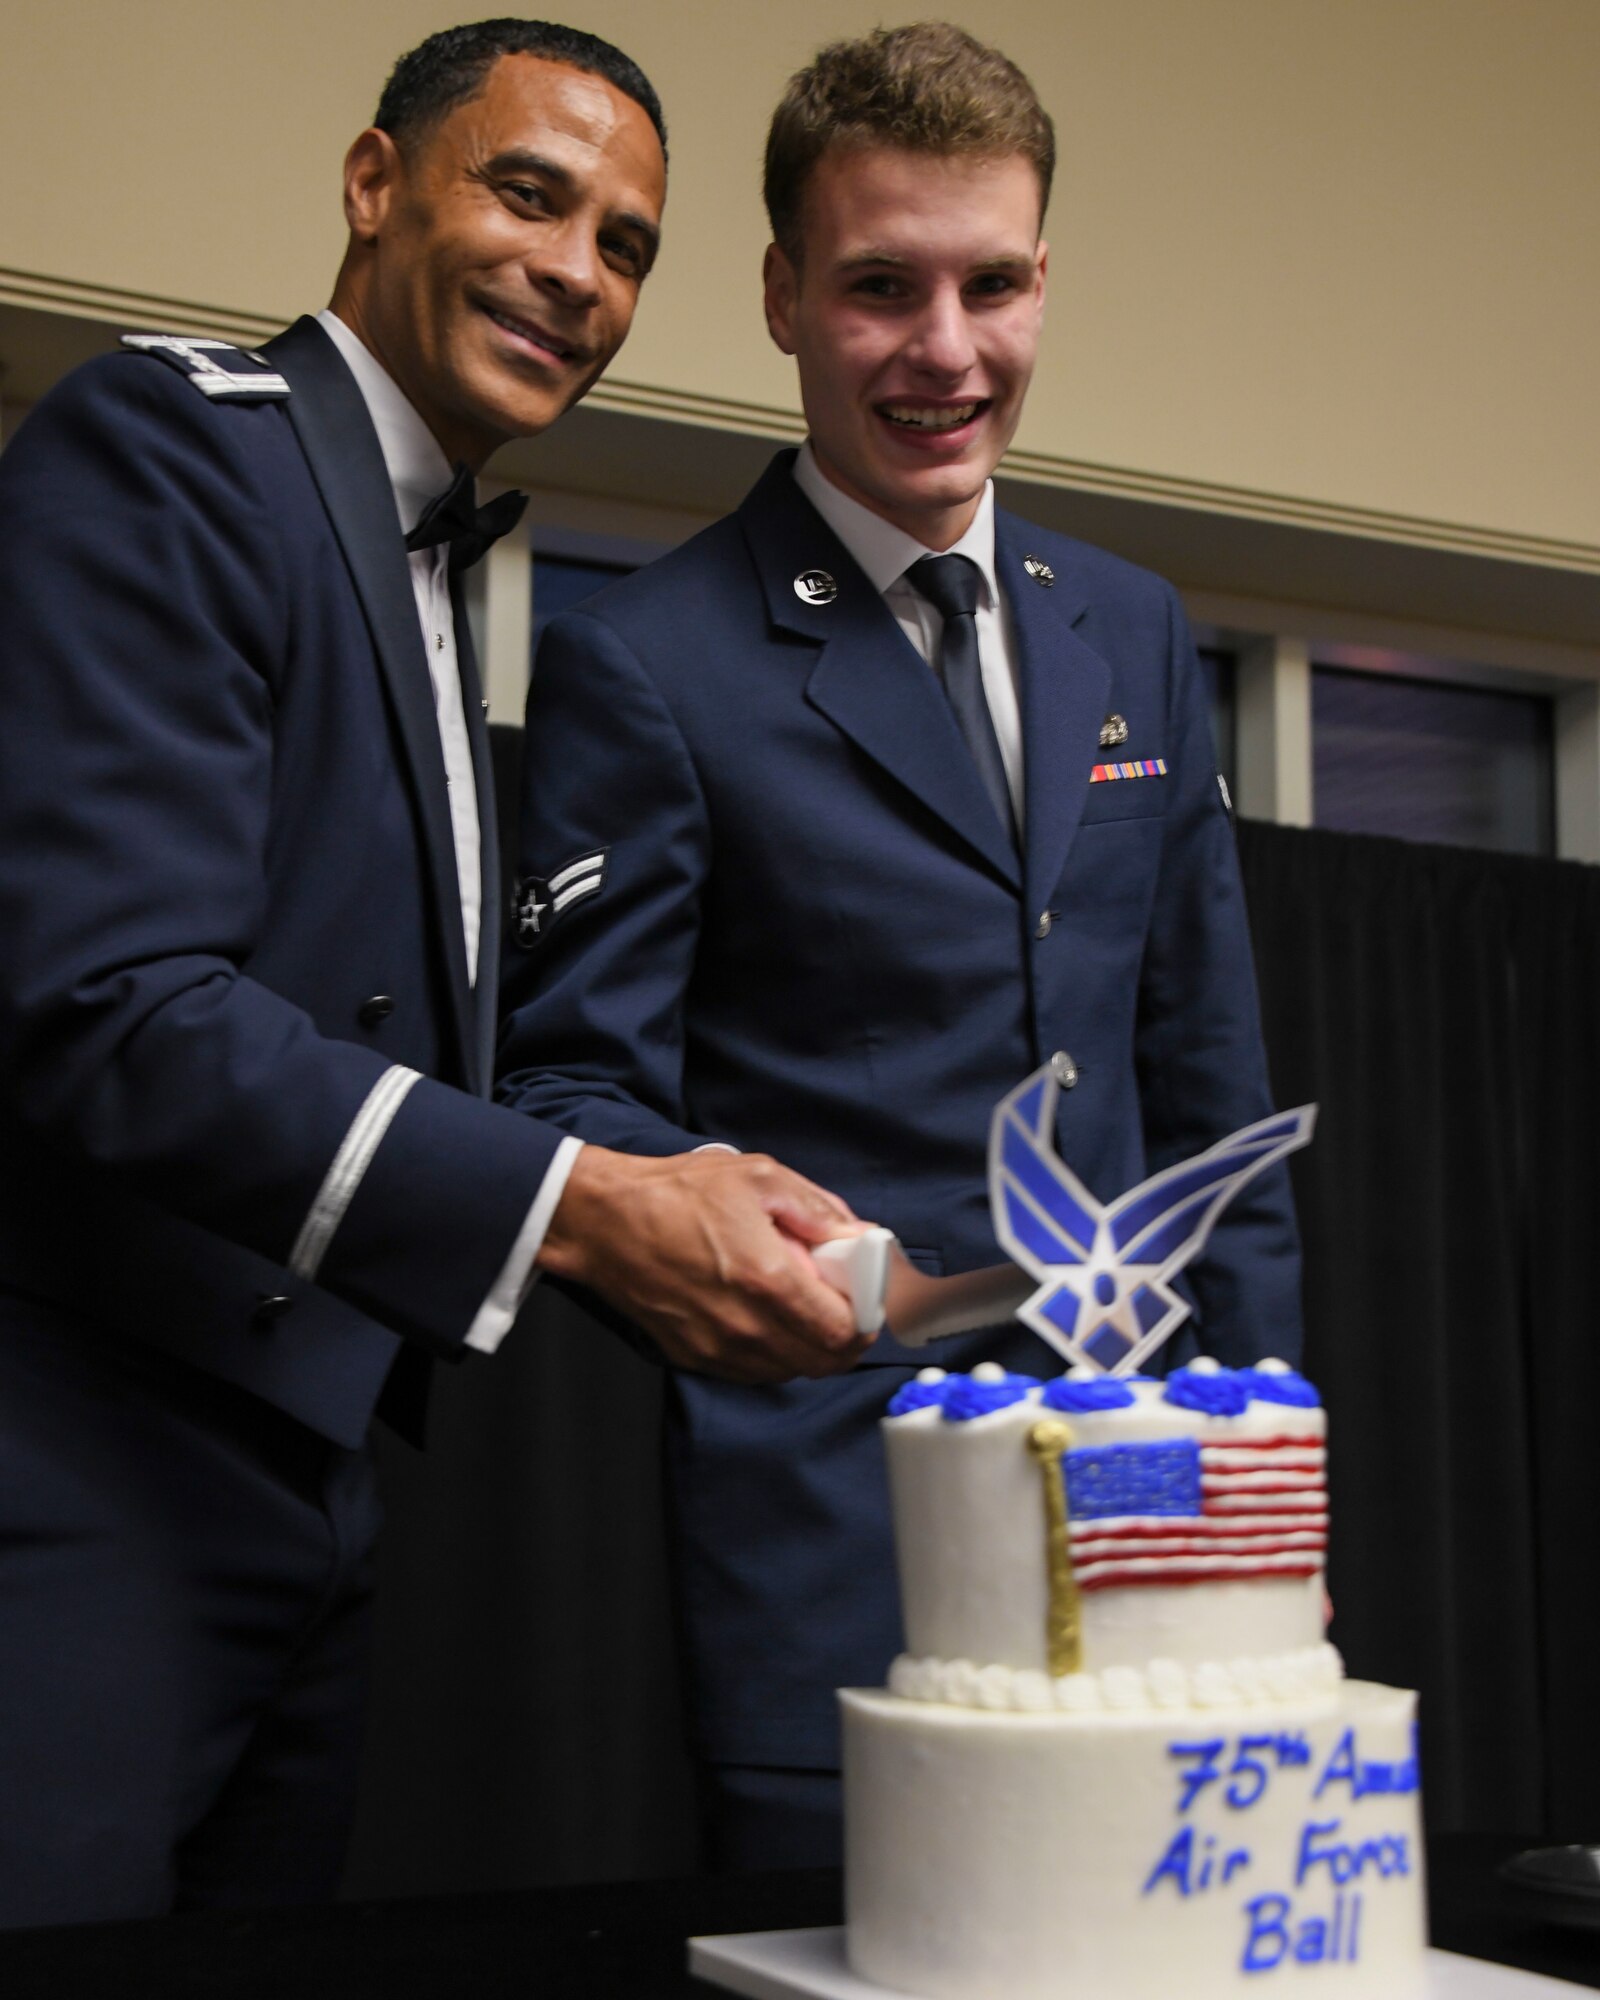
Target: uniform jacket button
1042	928
1064	1069
377	1009
269	1312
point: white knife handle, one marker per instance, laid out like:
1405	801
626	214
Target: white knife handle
858	1267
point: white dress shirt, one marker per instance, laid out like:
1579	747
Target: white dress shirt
418	470
884	553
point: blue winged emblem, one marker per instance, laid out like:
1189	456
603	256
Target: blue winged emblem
1104	1269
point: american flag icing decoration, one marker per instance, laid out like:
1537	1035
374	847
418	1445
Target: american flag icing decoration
1141	767
1187	1510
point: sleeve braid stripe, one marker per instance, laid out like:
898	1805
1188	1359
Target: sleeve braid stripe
350	1163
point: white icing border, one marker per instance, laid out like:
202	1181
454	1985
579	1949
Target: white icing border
1162	1684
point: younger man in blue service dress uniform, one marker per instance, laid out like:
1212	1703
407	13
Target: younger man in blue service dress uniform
843	818
248	934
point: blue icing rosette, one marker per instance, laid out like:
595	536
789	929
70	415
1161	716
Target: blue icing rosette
1282	1385
915	1395
1214	1392
966	1398
1099	1392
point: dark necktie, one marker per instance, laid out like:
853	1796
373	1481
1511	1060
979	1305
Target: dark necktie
454	516
951	585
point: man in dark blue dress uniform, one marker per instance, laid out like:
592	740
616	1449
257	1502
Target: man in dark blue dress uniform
898	797
248	927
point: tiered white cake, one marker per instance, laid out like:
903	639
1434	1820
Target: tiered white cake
1117	1760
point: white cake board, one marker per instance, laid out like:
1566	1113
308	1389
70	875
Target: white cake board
810	1965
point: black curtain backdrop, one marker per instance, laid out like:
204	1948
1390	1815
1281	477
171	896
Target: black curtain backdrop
1440	1006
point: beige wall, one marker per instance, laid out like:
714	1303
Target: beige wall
1329	263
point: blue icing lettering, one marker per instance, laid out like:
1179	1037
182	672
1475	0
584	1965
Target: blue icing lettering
1341	1767
1254	1759
1408	1773
966	1398
1369	1775
1277	1932
1205	1770
1192	1869
1286	1386
1269	1933
1346	1861
1102	1392
1174	1865
1249	1773
1221	1392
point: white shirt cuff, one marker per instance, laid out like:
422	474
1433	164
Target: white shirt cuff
517	1276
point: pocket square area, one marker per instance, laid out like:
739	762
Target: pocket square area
1143	767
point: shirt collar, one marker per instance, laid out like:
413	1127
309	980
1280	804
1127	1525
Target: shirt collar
882	551
417	468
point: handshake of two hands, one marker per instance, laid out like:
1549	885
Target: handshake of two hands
710	1253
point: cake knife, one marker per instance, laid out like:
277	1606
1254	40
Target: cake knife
883	1285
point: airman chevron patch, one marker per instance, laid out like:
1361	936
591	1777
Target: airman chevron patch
541	899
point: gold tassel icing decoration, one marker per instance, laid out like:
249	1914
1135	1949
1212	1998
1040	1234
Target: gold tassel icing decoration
1047	1441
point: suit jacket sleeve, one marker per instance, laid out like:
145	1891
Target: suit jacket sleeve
149	621
1200	1057
592	1037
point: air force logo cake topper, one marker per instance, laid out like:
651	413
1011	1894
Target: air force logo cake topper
1091	1278
1105	1269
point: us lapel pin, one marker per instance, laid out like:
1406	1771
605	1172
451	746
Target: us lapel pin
1039	570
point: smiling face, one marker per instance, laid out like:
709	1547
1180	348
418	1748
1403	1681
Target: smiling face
915	322
495	265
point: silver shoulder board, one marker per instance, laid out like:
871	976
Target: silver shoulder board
214	367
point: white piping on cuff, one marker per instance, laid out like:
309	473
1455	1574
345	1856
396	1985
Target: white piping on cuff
518	1276
350	1164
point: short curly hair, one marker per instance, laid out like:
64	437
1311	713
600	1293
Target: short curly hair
929	88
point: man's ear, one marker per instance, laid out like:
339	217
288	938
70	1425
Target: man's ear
780	288
1044	260
372	171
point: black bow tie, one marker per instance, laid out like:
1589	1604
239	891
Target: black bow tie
454	516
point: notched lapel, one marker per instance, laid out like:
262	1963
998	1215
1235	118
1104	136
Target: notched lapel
869	680
1064	688
486	993
341	447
